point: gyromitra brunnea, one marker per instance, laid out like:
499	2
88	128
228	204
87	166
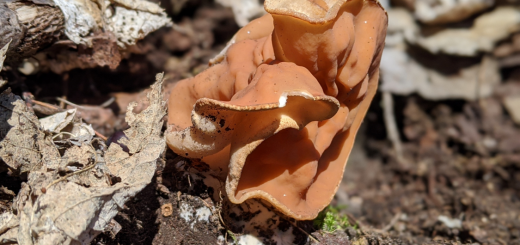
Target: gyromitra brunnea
280	111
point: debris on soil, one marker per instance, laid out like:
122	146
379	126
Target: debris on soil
129	21
66	163
167	209
3	51
455	183
244	10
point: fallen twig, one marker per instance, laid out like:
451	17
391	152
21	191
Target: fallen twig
104	138
306	233
74	173
72	104
391	126
392	222
46	105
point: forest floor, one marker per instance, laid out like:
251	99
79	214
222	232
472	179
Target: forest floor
457	182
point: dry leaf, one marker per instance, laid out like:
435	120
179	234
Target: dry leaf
128	20
58	121
486	31
74	208
65	125
7	221
401	74
23	146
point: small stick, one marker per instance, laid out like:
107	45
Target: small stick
108	102
45	105
71	174
104	138
480	78
221	220
306	233
206	204
391	126
74	173
62	104
61	133
72	104
392	222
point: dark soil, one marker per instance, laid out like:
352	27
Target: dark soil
458	183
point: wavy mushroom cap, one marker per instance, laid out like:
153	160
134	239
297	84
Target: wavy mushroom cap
279	114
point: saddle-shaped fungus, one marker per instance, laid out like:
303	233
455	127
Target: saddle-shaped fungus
280	112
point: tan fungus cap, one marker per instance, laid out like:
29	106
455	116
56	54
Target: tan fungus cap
279	112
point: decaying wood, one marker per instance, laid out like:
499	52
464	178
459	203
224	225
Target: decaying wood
30	26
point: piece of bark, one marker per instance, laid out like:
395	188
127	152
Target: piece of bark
30	26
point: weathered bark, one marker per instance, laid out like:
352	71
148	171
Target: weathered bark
29	26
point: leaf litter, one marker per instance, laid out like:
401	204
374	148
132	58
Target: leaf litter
3	51
75	183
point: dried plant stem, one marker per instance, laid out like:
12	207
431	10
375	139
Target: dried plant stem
69	175
108	102
306	233
77	172
391	126
72	104
62	104
45	105
62	133
104	138
392	222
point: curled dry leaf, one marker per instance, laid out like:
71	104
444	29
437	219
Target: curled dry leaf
448	11
129	21
66	126
99	31
58	121
486	31
403	75
406	70
23	146
8	231
98	181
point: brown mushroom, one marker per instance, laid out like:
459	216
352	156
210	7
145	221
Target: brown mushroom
279	114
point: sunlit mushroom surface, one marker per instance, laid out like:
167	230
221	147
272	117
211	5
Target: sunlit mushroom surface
278	111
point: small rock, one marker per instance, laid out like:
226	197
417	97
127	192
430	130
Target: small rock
479	235
163	189
450	223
